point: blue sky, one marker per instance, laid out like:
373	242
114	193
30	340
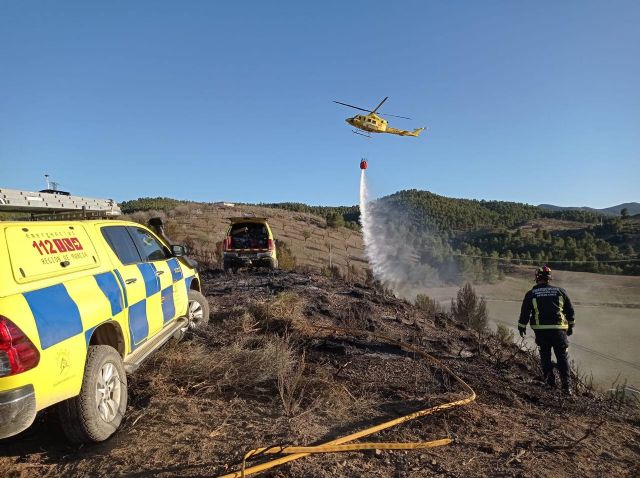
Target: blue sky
525	101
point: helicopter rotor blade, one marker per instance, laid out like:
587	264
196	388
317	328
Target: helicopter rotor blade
377	107
351	106
395	116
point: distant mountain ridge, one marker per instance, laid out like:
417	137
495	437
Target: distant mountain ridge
633	208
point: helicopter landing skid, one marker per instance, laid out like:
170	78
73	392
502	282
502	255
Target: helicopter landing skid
368	136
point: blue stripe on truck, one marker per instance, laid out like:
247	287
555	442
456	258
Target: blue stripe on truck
168	306
56	314
151	282
138	325
176	270
109	286
124	289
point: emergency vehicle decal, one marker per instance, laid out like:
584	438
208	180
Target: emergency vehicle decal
56	315
58	318
109	286
148	272
124	289
138	325
176	270
168	306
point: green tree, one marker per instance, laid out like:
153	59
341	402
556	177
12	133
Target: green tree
469	309
426	304
335	220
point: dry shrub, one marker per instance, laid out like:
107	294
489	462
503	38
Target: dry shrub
505	335
286	259
326	393
238	320
292	385
302	386
243	366
428	305
357	315
281	314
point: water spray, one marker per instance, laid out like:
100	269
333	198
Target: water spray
405	259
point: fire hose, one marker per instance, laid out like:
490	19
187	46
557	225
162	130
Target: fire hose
338	445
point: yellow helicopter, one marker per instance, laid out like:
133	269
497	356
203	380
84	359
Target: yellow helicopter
372	123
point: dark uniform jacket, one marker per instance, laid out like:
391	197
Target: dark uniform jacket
546	307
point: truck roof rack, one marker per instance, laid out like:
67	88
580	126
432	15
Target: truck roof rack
56	206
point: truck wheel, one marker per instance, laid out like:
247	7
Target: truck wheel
198	310
95	414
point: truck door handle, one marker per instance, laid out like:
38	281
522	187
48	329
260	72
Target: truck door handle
159	273
131	281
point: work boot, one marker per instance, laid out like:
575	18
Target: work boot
566	390
550	380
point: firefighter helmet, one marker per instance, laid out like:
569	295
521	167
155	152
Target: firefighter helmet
543	274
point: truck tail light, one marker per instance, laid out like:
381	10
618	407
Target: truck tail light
270	244
17	352
226	245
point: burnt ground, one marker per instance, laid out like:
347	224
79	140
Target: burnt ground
259	375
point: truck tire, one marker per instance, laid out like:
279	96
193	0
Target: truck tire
198	310
95	414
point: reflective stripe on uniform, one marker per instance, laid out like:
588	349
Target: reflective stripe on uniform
536	314
551	326
563	320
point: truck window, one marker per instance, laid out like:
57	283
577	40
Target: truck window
148	245
122	244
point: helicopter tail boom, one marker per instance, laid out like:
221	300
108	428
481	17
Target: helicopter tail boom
402	132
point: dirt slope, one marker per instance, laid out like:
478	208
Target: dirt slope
202	225
199	405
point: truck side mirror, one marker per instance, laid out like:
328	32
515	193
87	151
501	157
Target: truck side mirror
178	251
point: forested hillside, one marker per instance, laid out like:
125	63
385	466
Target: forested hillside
502	231
476	239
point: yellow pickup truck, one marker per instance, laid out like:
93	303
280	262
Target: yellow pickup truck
249	242
82	303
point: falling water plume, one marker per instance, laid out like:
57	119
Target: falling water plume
404	255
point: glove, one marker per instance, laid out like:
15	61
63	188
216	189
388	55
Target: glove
523	332
570	330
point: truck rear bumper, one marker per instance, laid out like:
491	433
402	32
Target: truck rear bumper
17	410
261	259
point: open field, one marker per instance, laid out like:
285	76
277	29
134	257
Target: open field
607	334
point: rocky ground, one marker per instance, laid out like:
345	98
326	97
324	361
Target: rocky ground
260	374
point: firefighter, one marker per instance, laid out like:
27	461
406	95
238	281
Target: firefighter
549	311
